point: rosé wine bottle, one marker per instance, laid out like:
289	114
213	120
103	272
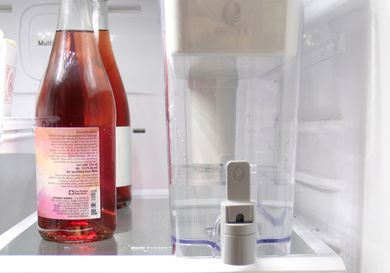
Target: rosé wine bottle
75	135
123	130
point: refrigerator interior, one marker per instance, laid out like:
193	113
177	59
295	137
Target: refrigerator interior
137	43
332	124
331	157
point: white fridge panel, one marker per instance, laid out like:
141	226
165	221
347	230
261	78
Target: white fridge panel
23	105
315	9
37	30
149	143
376	216
332	114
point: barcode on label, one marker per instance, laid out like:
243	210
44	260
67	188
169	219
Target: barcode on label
93	202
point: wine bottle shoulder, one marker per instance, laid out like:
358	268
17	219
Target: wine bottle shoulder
75	86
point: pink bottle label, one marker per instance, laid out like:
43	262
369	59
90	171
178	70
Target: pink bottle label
9	84
68	177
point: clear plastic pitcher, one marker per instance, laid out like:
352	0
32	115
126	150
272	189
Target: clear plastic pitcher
232	74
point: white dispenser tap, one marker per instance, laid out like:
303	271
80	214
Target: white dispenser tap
238	229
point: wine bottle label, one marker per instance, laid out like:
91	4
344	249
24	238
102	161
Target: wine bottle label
68	177
123	156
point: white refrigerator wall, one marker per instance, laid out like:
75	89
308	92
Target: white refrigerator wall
376	216
332	124
137	43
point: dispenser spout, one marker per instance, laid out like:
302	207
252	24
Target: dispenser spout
238	229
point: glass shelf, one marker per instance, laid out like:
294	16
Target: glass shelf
142	243
142	229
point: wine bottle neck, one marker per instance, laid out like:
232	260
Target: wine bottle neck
100	15
75	15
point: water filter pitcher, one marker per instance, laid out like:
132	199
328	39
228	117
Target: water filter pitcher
232	78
